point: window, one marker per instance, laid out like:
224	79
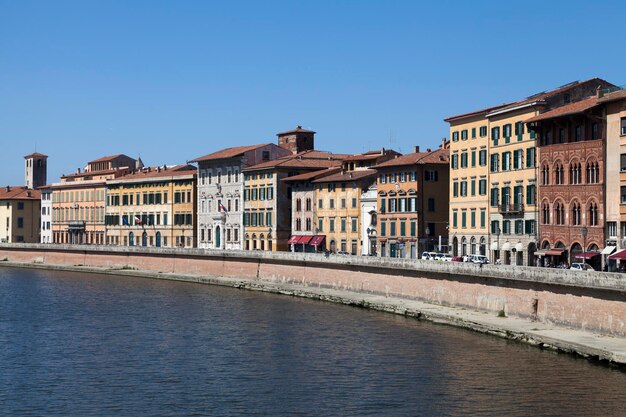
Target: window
519	130
519	227
593	172
343	224
455	136
495	135
463	188
593	214
464	135
392	228
518	159
623	126
433	175
354	203
611	229
265	156
383	205
473	133
529	227
20	205
454	161
343	203
594	131
464	219
473	218
506	161
482	186
482	157
558	174
473	158
320	225
530	158
455	189
506	132
454	219
559	213
383	228
495	227
575	213
483	218
402	228
431	204
20	222
320	203
545	213
494	196
623	194
495	163
354	224
506	227
531	194
483	131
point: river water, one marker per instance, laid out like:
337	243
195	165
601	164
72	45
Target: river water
74	344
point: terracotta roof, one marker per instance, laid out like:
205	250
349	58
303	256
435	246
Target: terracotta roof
90	173
19	193
439	156
572	108
160	172
309	176
228	152
302	160
536	97
371	155
615	95
106	158
298	129
347	176
36	155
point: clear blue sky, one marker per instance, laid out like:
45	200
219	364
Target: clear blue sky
172	80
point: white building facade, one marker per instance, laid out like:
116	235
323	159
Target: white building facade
46	215
220	193
369	207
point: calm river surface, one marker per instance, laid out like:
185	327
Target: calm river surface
76	344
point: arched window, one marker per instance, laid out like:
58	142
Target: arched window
308	204
593	214
558	174
298	205
298	224
545	213
545	174
575	176
593	172
575	213
559	213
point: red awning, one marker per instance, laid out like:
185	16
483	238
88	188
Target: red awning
587	255
317	240
304	240
619	256
293	239
555	252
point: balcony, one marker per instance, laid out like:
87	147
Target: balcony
511	208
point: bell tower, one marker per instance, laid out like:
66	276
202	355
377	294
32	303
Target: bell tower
297	140
36	168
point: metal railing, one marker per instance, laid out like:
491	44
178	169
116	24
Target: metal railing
511	208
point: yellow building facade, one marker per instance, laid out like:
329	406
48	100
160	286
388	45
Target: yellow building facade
20	215
153	207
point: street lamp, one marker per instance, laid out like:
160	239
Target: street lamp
498	240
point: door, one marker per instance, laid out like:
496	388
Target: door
144	239
158	239
131	239
218	238
392	250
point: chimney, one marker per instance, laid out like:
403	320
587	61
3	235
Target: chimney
78	170
428	150
443	143
599	93
416	149
382	151
8	188
27	193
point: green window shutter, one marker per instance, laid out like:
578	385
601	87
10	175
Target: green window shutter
402	228
473	158
473	133
483	217
413	232
454	219
463	219
455	189
494	226
383	228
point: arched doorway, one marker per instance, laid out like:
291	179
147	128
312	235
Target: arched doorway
218	237
455	246
483	246
158	239
333	246
269	244
531	254
131	239
247	242
463	246
473	246
262	239
254	242
144	239
574	252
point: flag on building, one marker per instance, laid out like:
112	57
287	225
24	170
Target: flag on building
125	221
222	208
137	220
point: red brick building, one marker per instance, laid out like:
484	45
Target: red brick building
571	141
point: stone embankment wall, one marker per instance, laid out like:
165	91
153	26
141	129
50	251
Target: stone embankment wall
585	300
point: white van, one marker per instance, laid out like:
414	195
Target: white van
479	259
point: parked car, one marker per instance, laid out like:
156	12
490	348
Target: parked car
581	267
457	259
425	256
478	259
439	256
446	258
